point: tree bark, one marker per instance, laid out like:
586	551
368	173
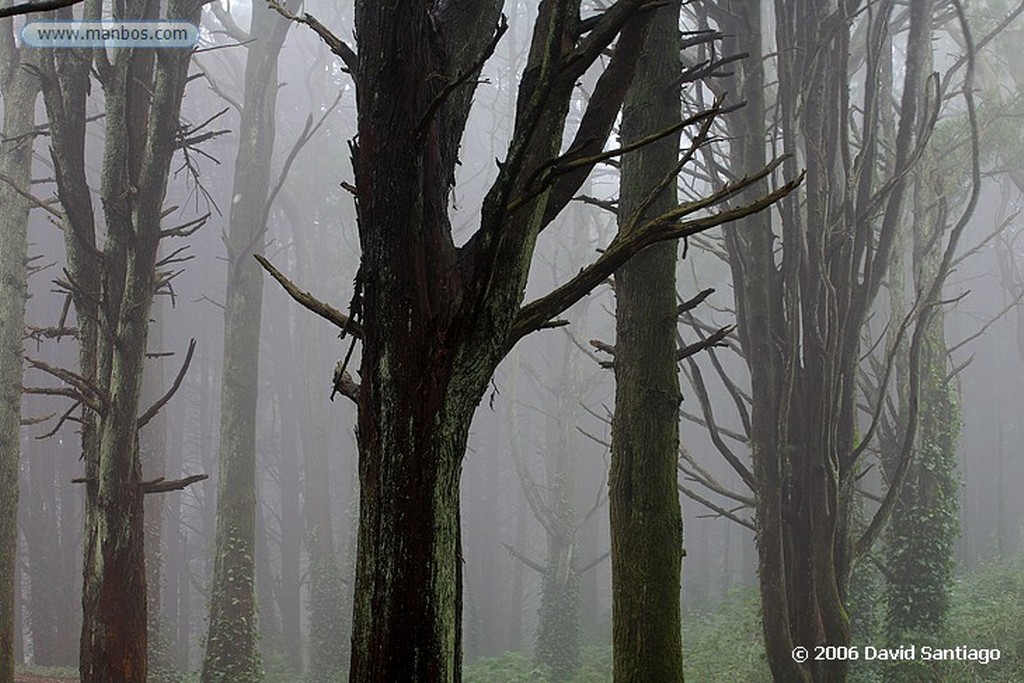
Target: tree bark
646	520
925	522
153	456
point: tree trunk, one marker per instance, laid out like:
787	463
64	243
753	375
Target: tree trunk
646	520
925	522
801	310
409	571
329	621
20	89
232	643
435	319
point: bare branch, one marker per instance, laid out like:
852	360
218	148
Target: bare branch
34	200
535	566
231	27
162	401
162	485
992	321
336	44
697	381
461	79
65	417
630	242
84	390
735	436
596	561
308	131
694	302
38	419
715	339
38	6
721	511
701	476
310	302
186	229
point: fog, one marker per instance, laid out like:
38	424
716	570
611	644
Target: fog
898	254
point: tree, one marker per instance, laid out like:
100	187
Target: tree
802	300
112	288
20	89
232	642
435	318
646	519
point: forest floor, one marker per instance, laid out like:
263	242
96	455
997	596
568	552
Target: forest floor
32	678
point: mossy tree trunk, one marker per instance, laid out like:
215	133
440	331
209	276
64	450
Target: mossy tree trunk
646	520
925	523
232	641
20	88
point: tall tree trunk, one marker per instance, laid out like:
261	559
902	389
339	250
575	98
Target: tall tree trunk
232	642
143	99
925	523
558	619
289	593
20	88
409	573
646	520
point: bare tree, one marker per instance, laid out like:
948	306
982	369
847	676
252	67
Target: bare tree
434	318
802	298
112	287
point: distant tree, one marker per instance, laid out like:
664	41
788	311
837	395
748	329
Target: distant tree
554	506
232	642
434	318
112	283
925	523
19	87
